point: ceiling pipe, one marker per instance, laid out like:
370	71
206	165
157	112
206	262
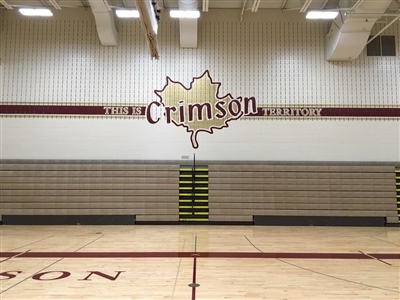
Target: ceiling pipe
188	27
105	23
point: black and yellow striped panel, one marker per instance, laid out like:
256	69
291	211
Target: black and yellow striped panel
398	191
193	194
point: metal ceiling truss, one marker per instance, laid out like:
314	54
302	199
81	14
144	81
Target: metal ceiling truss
243	9
283	5
55	4
256	5
356	5
5	4
396	17
85	3
305	6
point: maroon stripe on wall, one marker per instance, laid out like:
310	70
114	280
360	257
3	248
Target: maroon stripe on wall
360	112
318	112
295	112
68	110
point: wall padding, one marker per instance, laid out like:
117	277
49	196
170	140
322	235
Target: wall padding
90	188
237	192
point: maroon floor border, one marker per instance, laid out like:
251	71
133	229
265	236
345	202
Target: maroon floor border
200	255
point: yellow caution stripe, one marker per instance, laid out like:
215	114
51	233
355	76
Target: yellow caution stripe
191	176
194	220
196	181
195	201
193	169
196	194
193	206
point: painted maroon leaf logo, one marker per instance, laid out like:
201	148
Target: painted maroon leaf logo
198	107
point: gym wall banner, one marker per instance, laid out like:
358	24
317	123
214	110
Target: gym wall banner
198	108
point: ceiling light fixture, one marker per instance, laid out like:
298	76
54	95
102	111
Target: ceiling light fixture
185	14
324	15
127	13
36	12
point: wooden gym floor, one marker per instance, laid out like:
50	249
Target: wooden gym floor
199	262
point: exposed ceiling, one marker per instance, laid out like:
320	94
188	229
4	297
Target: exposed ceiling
345	40
211	4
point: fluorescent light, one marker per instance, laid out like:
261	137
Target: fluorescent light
37	12
326	15
187	14
125	13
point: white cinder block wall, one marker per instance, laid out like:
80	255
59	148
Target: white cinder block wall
276	57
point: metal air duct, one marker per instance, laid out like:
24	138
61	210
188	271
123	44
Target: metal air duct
350	30
105	24
188	27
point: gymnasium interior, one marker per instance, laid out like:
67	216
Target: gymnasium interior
271	122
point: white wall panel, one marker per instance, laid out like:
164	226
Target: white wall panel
277	58
135	139
278	61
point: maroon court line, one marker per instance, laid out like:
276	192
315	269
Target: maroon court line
194	280
281	255
14	256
